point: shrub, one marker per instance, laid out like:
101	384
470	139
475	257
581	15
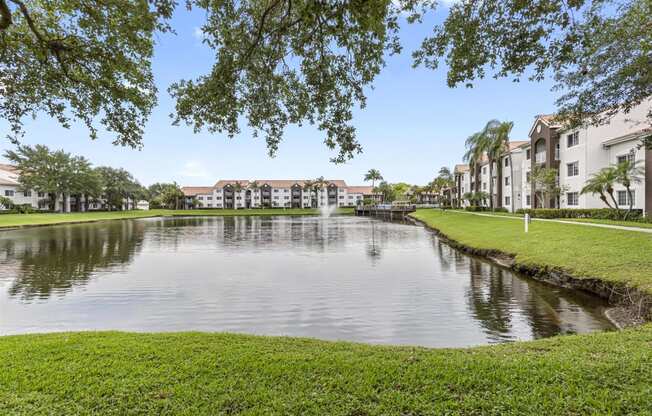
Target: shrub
598	213
475	209
500	209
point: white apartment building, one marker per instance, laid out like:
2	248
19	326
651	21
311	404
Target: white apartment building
238	194
576	154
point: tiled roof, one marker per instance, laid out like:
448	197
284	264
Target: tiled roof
365	190
461	168
8	168
517	143
196	190
275	183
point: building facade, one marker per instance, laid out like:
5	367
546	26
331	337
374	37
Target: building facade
576	155
242	194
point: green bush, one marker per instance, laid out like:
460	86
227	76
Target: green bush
500	209
473	208
597	213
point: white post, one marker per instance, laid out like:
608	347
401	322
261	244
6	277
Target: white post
527	222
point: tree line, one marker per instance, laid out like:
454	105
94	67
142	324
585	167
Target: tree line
438	190
59	175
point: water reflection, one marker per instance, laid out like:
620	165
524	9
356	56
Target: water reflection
53	260
337	278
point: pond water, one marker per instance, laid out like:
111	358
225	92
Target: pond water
337	278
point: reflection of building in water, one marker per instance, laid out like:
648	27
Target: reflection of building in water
56	259
506	305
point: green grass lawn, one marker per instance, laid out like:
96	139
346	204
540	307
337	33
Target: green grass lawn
220	374
612	255
22	220
638	224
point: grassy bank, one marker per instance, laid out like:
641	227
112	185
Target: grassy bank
611	255
211	374
26	220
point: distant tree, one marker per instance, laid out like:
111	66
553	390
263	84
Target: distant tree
86	182
43	170
386	190
118	186
373	175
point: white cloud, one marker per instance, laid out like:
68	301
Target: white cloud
197	33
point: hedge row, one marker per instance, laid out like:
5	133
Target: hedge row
598	213
482	209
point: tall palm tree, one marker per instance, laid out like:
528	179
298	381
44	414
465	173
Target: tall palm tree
476	145
627	173
500	143
373	175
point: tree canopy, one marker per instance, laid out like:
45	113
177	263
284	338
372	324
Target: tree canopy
281	62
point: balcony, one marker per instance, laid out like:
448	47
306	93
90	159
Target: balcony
540	157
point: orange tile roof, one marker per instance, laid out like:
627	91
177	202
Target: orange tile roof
275	183
8	168
196	190
461	168
517	143
365	190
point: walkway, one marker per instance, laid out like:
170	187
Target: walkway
588	224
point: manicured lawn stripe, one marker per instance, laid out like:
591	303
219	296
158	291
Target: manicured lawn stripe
21	220
611	255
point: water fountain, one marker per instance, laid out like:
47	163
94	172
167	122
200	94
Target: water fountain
327	210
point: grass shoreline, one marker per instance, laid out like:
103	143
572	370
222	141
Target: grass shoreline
217	373
16	221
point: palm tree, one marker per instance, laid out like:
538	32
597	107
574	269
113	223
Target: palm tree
317	185
476	145
500	135
599	183
627	172
373	175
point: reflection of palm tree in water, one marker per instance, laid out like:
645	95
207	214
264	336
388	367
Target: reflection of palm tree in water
490	298
67	256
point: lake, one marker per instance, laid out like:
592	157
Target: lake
337	278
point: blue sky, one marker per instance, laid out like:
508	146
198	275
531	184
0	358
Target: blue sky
413	123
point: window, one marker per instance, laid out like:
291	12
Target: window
573	139
286	197
27	194
41	194
507	201
527	199
623	198
9	193
506	180
527	154
275	190
628	157
341	196
218	198
201	198
573	169
209	198
484	170
572	199
484	185
506	162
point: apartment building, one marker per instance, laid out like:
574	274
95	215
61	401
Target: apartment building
576	154
10	188
273	193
